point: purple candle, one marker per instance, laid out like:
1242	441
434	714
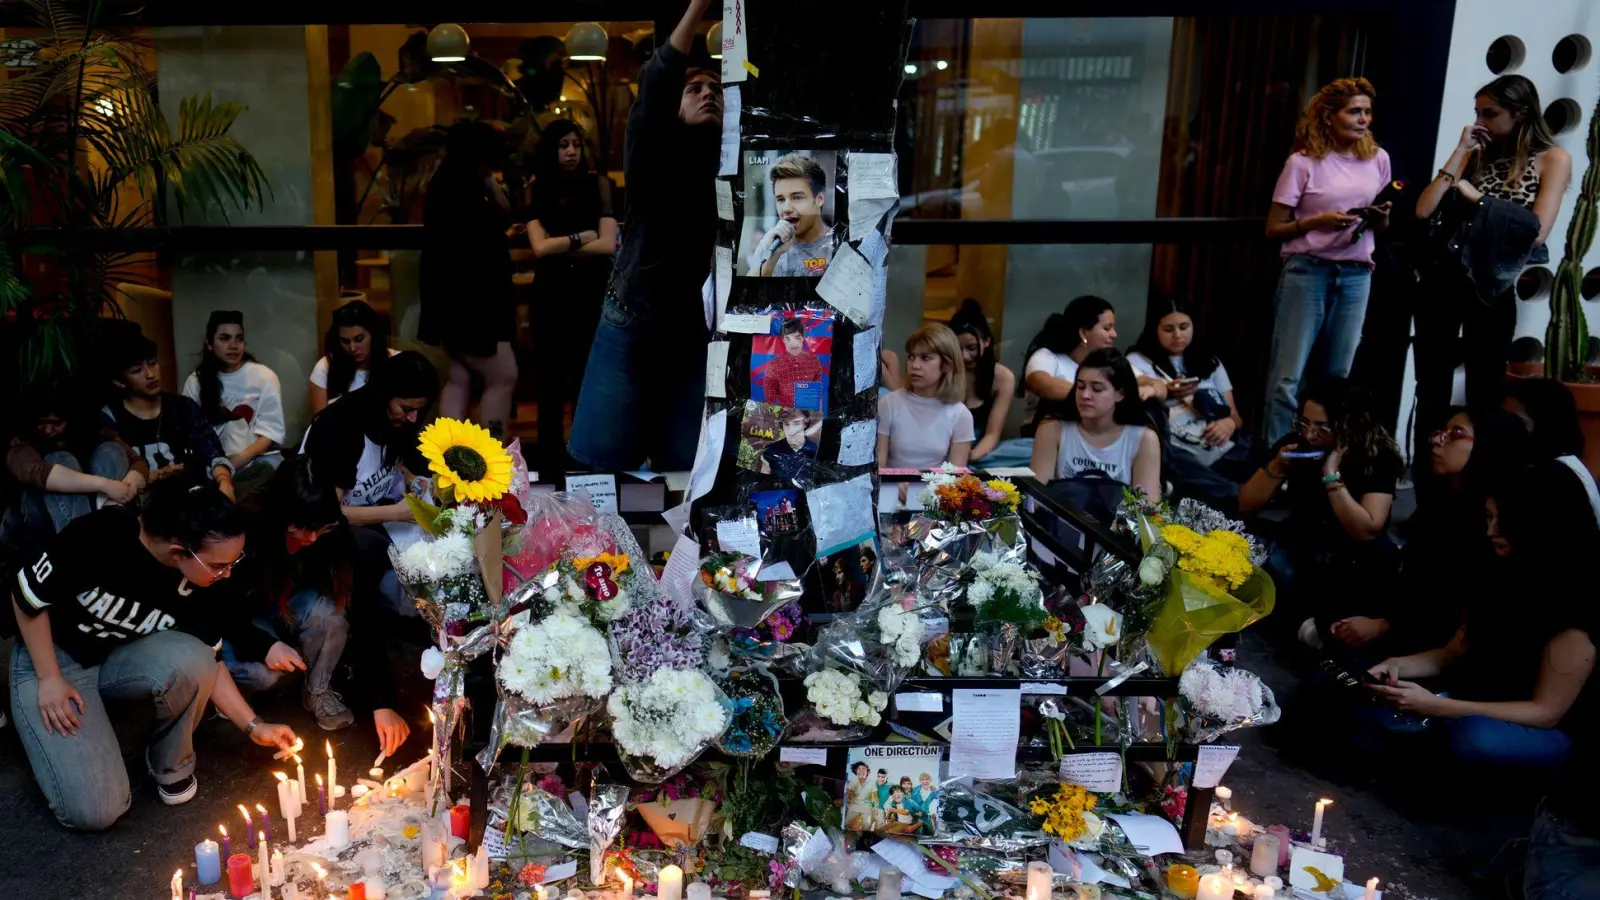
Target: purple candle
322	797
266	820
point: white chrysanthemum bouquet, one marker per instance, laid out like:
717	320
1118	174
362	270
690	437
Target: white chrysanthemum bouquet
840	698
559	657
1216	699
667	720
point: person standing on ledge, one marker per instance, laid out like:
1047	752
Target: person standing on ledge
644	388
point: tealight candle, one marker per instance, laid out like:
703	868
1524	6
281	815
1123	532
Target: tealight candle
207	862
376	889
375	773
669	884
1263	892
699	890
241	880
1039	877
358	791
1225	796
890	881
1215	887
1264	856
1316	821
1183	881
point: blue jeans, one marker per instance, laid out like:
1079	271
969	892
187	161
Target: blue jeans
1320	307
1563	862
320	630
82	776
643	391
1474	741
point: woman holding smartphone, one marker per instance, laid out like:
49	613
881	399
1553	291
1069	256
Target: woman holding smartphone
1336	471
1328	185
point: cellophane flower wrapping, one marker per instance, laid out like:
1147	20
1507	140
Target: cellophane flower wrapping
972	817
963	516
881	641
1215	699
730	589
663	723
843	706
756	721
774	643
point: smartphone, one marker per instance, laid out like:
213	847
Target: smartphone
1183	382
1305	454
1362	211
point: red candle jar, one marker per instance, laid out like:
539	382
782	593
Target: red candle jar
241	880
460	821
358	891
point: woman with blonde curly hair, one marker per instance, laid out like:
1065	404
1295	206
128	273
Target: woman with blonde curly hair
1328	184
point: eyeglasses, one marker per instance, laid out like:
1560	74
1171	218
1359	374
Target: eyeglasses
224	571
1451	435
1309	428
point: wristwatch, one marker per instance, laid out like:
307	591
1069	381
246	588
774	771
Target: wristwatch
250	727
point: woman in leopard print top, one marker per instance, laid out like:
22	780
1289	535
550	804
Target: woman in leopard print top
1507	153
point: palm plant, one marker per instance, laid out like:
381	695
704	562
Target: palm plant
1566	339
85	151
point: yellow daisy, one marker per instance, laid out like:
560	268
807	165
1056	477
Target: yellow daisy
466	458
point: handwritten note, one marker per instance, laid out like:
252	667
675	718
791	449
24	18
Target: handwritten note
865	356
919	702
847	285
683	566
602	490
986	732
735	47
708	456
494	840
724	200
761	843
724	281
803	756
730	131
747	323
858	442
1213	761
739	536
1099	772
841	514
717	369
1153	835
866	215
872	176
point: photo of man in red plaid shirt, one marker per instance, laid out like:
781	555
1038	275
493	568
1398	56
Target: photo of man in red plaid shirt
793	365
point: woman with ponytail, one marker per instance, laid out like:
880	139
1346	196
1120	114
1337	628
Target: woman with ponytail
988	384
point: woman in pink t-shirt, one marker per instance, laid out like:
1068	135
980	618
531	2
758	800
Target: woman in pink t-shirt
1327	186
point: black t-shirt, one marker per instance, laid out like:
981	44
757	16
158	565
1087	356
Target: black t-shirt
355	453
180	434
1310	514
102	588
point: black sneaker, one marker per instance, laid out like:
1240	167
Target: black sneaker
178	792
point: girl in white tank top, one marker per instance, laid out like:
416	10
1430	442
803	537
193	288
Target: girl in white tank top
1077	455
1105	406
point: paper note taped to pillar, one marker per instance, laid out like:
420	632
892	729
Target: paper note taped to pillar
847	285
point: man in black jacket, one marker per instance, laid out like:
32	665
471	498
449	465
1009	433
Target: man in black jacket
644	389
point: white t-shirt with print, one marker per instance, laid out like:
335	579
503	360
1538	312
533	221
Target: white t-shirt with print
1075	455
921	429
253	394
1057	365
319	375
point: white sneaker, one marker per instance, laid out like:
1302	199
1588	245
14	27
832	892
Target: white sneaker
1308	634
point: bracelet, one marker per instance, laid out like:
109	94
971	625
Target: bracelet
1332	478
572	242
1446	176
250	726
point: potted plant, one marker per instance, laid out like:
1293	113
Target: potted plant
86	153
1567	338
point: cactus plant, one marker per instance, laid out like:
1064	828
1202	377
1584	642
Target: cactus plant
1566	340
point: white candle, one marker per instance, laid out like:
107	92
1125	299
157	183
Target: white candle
1372	888
699	890
1225	796
285	796
299	782
333	774
1316	821
434	841
338	828
376	890
1263	892
889	882
625	889
1039	877
1215	887
278	868
266	864
177	885
1264	856
669	884
357	792
290	892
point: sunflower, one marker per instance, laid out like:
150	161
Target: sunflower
467	458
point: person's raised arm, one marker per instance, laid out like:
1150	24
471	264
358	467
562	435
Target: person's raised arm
1449	173
1047	386
1555	176
683	36
1265	483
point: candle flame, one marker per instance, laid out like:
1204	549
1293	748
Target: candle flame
319	781
321	872
296	758
261	809
245	813
280	776
1324	802
431	720
262	835
328	746
223	829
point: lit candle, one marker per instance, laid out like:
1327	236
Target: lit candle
480	871
1372	888
285	797
625	891
1039	877
358	791
1264	856
1215	887
1316	821
1183	881
227	842
207	862
460	879
889	883
299	781
241	883
322	798
266	864
249	828
1225	796
333	772
669	884
177	885
266	820
338	829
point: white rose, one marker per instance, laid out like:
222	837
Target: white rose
1092	828
1152	571
1103	626
432	663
